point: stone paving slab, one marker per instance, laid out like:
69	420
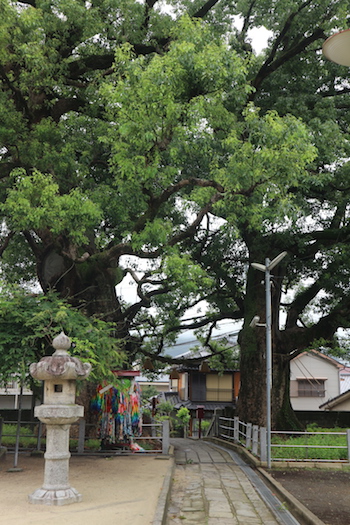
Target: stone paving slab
209	488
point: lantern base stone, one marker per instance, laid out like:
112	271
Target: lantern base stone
55	497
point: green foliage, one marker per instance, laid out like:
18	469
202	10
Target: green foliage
26	436
205	424
147	392
165	408
28	440
184	415
29	322
130	132
34	203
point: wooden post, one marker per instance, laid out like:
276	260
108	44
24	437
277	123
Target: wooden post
263	444
236	429
166	437
255	440
248	437
81	438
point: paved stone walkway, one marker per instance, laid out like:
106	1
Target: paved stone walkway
209	488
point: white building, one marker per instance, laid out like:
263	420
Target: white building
316	378
9	396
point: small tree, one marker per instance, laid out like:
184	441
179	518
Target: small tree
184	416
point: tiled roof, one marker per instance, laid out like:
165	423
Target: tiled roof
209	406
336	400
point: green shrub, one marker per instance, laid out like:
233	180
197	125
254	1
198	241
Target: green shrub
93	444
26	438
165	408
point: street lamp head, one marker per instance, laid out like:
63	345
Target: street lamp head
254	322
271	264
259	266
337	48
277	260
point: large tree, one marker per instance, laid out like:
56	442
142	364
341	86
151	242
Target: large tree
125	130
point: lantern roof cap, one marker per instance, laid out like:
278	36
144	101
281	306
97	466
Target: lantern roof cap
60	365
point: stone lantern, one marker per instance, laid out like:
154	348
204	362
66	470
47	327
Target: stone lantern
59	373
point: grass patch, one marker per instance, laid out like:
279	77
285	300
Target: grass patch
26	437
314	450
28	440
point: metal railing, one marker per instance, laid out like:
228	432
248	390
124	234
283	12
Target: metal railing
250	436
303	449
159	432
254	438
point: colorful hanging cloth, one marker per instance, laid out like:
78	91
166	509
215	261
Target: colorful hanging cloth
119	410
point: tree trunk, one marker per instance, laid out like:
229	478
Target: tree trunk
89	286
251	405
252	395
283	415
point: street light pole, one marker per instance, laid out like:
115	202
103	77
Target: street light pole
269	265
268	359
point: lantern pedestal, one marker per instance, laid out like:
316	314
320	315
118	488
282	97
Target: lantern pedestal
58	412
56	489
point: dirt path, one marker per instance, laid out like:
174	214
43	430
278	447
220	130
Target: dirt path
325	492
116	491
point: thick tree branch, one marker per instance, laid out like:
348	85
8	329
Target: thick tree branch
63	106
20	102
301	302
269	67
315	240
6	242
298	338
246	20
156	202
283	33
148	8
204	10
33	244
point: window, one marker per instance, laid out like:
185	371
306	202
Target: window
219	388
311	388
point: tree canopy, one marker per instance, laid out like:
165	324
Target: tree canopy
29	323
149	140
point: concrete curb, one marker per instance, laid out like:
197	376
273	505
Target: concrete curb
296	508
160	515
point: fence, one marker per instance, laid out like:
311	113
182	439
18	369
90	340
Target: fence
254	438
250	436
157	432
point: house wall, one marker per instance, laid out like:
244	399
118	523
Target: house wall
211	386
311	366
325	418
219	388
159	386
9	399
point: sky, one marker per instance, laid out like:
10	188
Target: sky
259	37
